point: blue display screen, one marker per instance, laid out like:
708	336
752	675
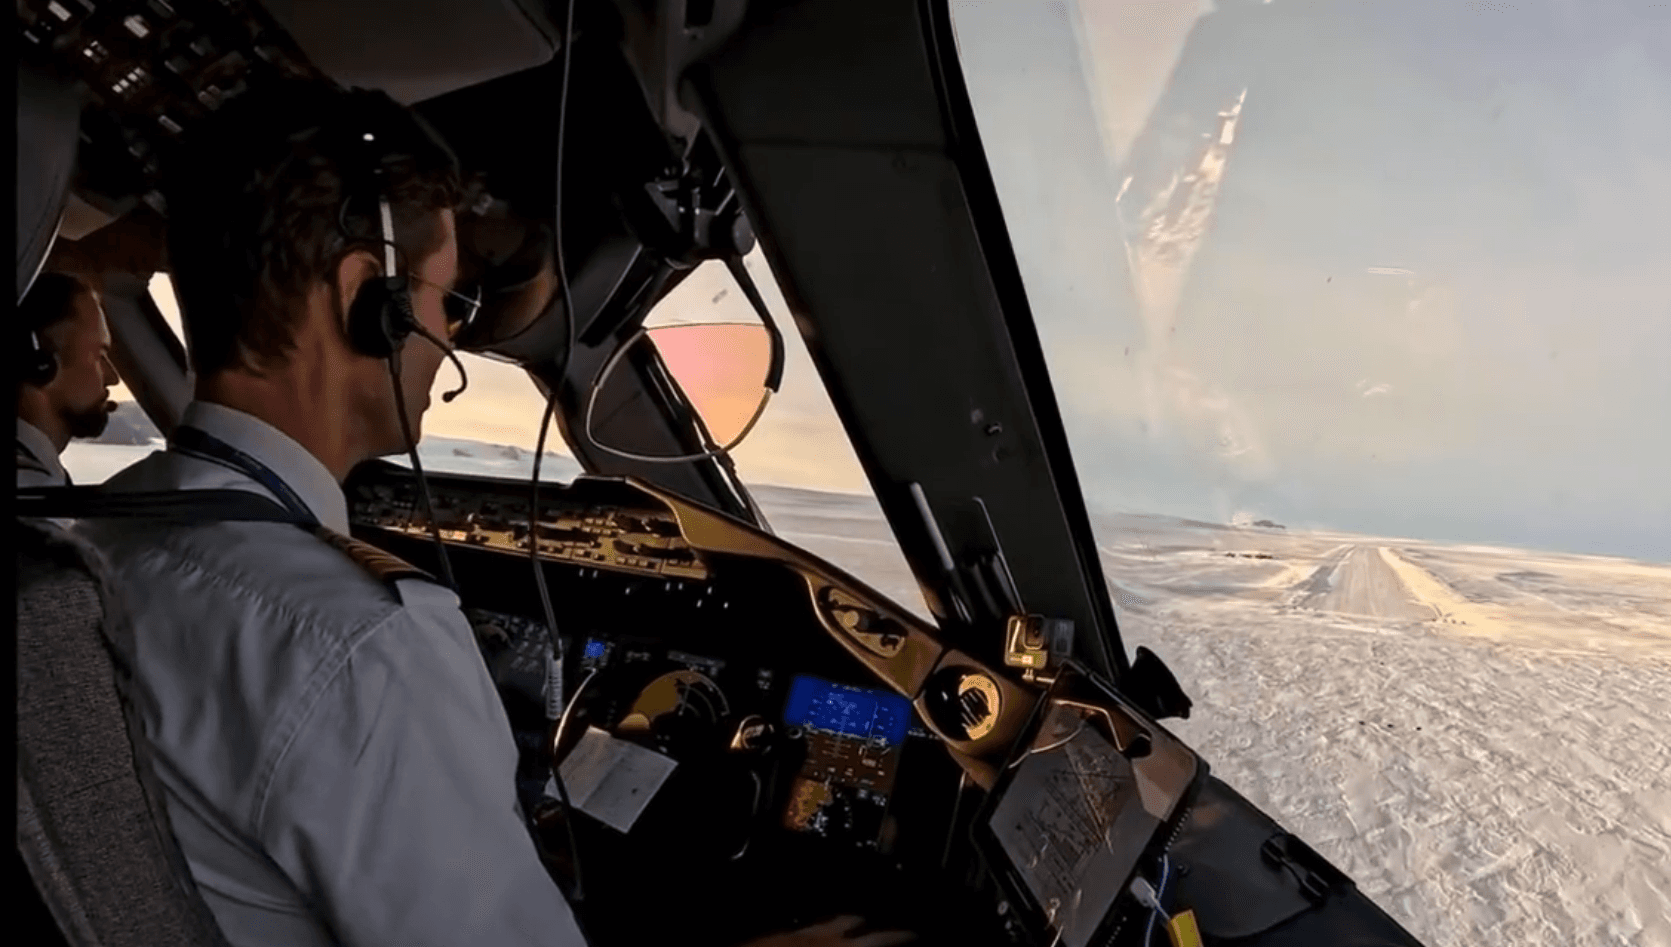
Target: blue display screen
594	648
854	711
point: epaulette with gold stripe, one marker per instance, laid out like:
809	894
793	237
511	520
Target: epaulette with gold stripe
382	566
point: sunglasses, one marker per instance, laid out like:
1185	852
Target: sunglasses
461	309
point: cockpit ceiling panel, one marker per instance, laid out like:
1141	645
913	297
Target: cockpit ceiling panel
418	49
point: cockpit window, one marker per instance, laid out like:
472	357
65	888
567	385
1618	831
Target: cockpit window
491	431
1357	315
130	434
161	289
797	461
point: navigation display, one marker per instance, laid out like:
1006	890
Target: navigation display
851	711
854	738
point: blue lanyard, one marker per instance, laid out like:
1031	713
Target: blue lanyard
195	442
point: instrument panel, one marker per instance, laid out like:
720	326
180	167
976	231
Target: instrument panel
833	750
789	777
854	737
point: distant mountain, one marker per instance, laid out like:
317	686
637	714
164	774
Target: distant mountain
1122	521
823	502
129	426
477	458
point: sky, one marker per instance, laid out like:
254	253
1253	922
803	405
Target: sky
1390	266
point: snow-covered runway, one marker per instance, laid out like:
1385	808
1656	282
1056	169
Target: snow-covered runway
1360	581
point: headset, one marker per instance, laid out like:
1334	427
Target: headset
40	365
48	301
381	317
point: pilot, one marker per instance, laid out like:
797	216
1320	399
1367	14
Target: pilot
337	764
64	377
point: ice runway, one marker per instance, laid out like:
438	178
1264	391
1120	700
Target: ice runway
1360	581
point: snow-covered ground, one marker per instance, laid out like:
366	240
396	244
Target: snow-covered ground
94	463
1480	737
1497	771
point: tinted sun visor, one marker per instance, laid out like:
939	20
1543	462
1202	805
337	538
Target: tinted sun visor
418	49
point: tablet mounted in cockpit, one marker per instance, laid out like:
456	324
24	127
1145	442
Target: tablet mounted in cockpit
1092	795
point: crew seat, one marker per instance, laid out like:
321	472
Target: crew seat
92	828
92	833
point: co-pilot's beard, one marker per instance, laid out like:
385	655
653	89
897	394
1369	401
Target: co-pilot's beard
90	422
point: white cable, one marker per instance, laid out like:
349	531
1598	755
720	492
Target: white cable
553	686
1154	901
563	719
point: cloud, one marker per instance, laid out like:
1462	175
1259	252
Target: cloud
1514	206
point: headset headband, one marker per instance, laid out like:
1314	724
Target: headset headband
388	233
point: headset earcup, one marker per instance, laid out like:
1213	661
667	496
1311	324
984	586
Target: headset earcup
381	317
368	319
39	365
402	319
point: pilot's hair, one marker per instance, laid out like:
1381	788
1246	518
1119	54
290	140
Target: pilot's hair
259	210
50	302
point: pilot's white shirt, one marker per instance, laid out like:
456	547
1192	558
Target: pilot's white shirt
338	766
37	459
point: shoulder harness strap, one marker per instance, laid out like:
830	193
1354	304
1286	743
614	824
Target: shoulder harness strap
382	566
26	459
29	463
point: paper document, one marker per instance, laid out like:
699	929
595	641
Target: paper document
612	780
